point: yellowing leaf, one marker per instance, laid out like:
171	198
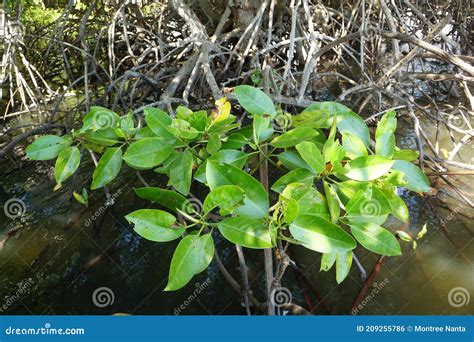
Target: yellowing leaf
223	110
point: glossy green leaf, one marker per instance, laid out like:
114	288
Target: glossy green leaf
350	122
327	261
353	145
343	265
292	160
398	207
321	235
415	179
104	137
311	155
254	101
294	137
376	239
234	141
368	168
183	129
312	118
47	147
309	200
66	164
387	124
256	203
296	176
333	202
147	153
385	145
214	143
247	232
226	197
167	198
181	172
408	155
154	225
158	121
233	157
192	256
107	168
262	128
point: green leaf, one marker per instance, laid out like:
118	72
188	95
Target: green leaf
312	155
167	198
47	147
353	145
100	118
127	125
404	236
147	153
321	235
104	137
108	168
214	143
398	206
233	157
254	101
368	168
234	141
309	200
226	197
327	261
247	232
294	137
292	160
66	164
80	198
154	225
376	239
385	145
256	203
343	265
333	202
158	121
198	120
183	112
192	256
408	155
262	128
181	172
312	118
387	124
350	122
299	175
422	232
415	179
183	129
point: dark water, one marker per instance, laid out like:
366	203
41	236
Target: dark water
53	259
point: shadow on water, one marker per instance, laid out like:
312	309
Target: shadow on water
56	259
